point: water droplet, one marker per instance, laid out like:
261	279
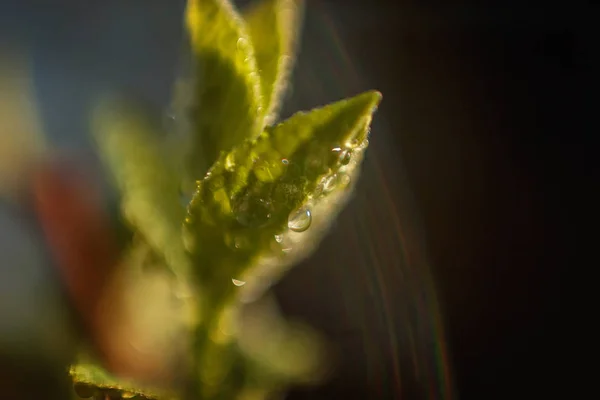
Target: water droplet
345	157
279	238
236	242
345	180
364	145
342	154
238	282
329	183
229	162
239	243
300	220
285	161
242	44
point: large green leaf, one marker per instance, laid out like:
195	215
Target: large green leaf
273	26
264	205
132	149
228	104
262	192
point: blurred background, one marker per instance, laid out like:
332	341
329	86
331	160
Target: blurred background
441	276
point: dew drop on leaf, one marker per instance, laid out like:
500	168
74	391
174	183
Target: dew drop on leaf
237	282
285	161
345	180
242	44
300	220
240	243
345	157
279	238
329	183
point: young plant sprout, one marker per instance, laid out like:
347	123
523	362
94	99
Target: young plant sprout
261	193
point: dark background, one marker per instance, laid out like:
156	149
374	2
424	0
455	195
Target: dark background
472	184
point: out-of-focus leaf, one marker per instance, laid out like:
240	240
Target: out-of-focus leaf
273	26
89	377
279	351
131	148
144	330
259	199
228	104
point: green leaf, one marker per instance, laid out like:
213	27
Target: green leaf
227	107
251	209
89	377
274	26
238	225
132	149
278	351
158	329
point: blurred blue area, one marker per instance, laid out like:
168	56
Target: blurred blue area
81	51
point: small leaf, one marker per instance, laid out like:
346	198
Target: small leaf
249	196
273	26
281	351
228	106
94	377
131	148
144	335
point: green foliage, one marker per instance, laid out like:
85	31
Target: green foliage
91	380
273	28
228	107
248	195
265	194
130	145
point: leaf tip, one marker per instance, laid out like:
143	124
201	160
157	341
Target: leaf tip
374	97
